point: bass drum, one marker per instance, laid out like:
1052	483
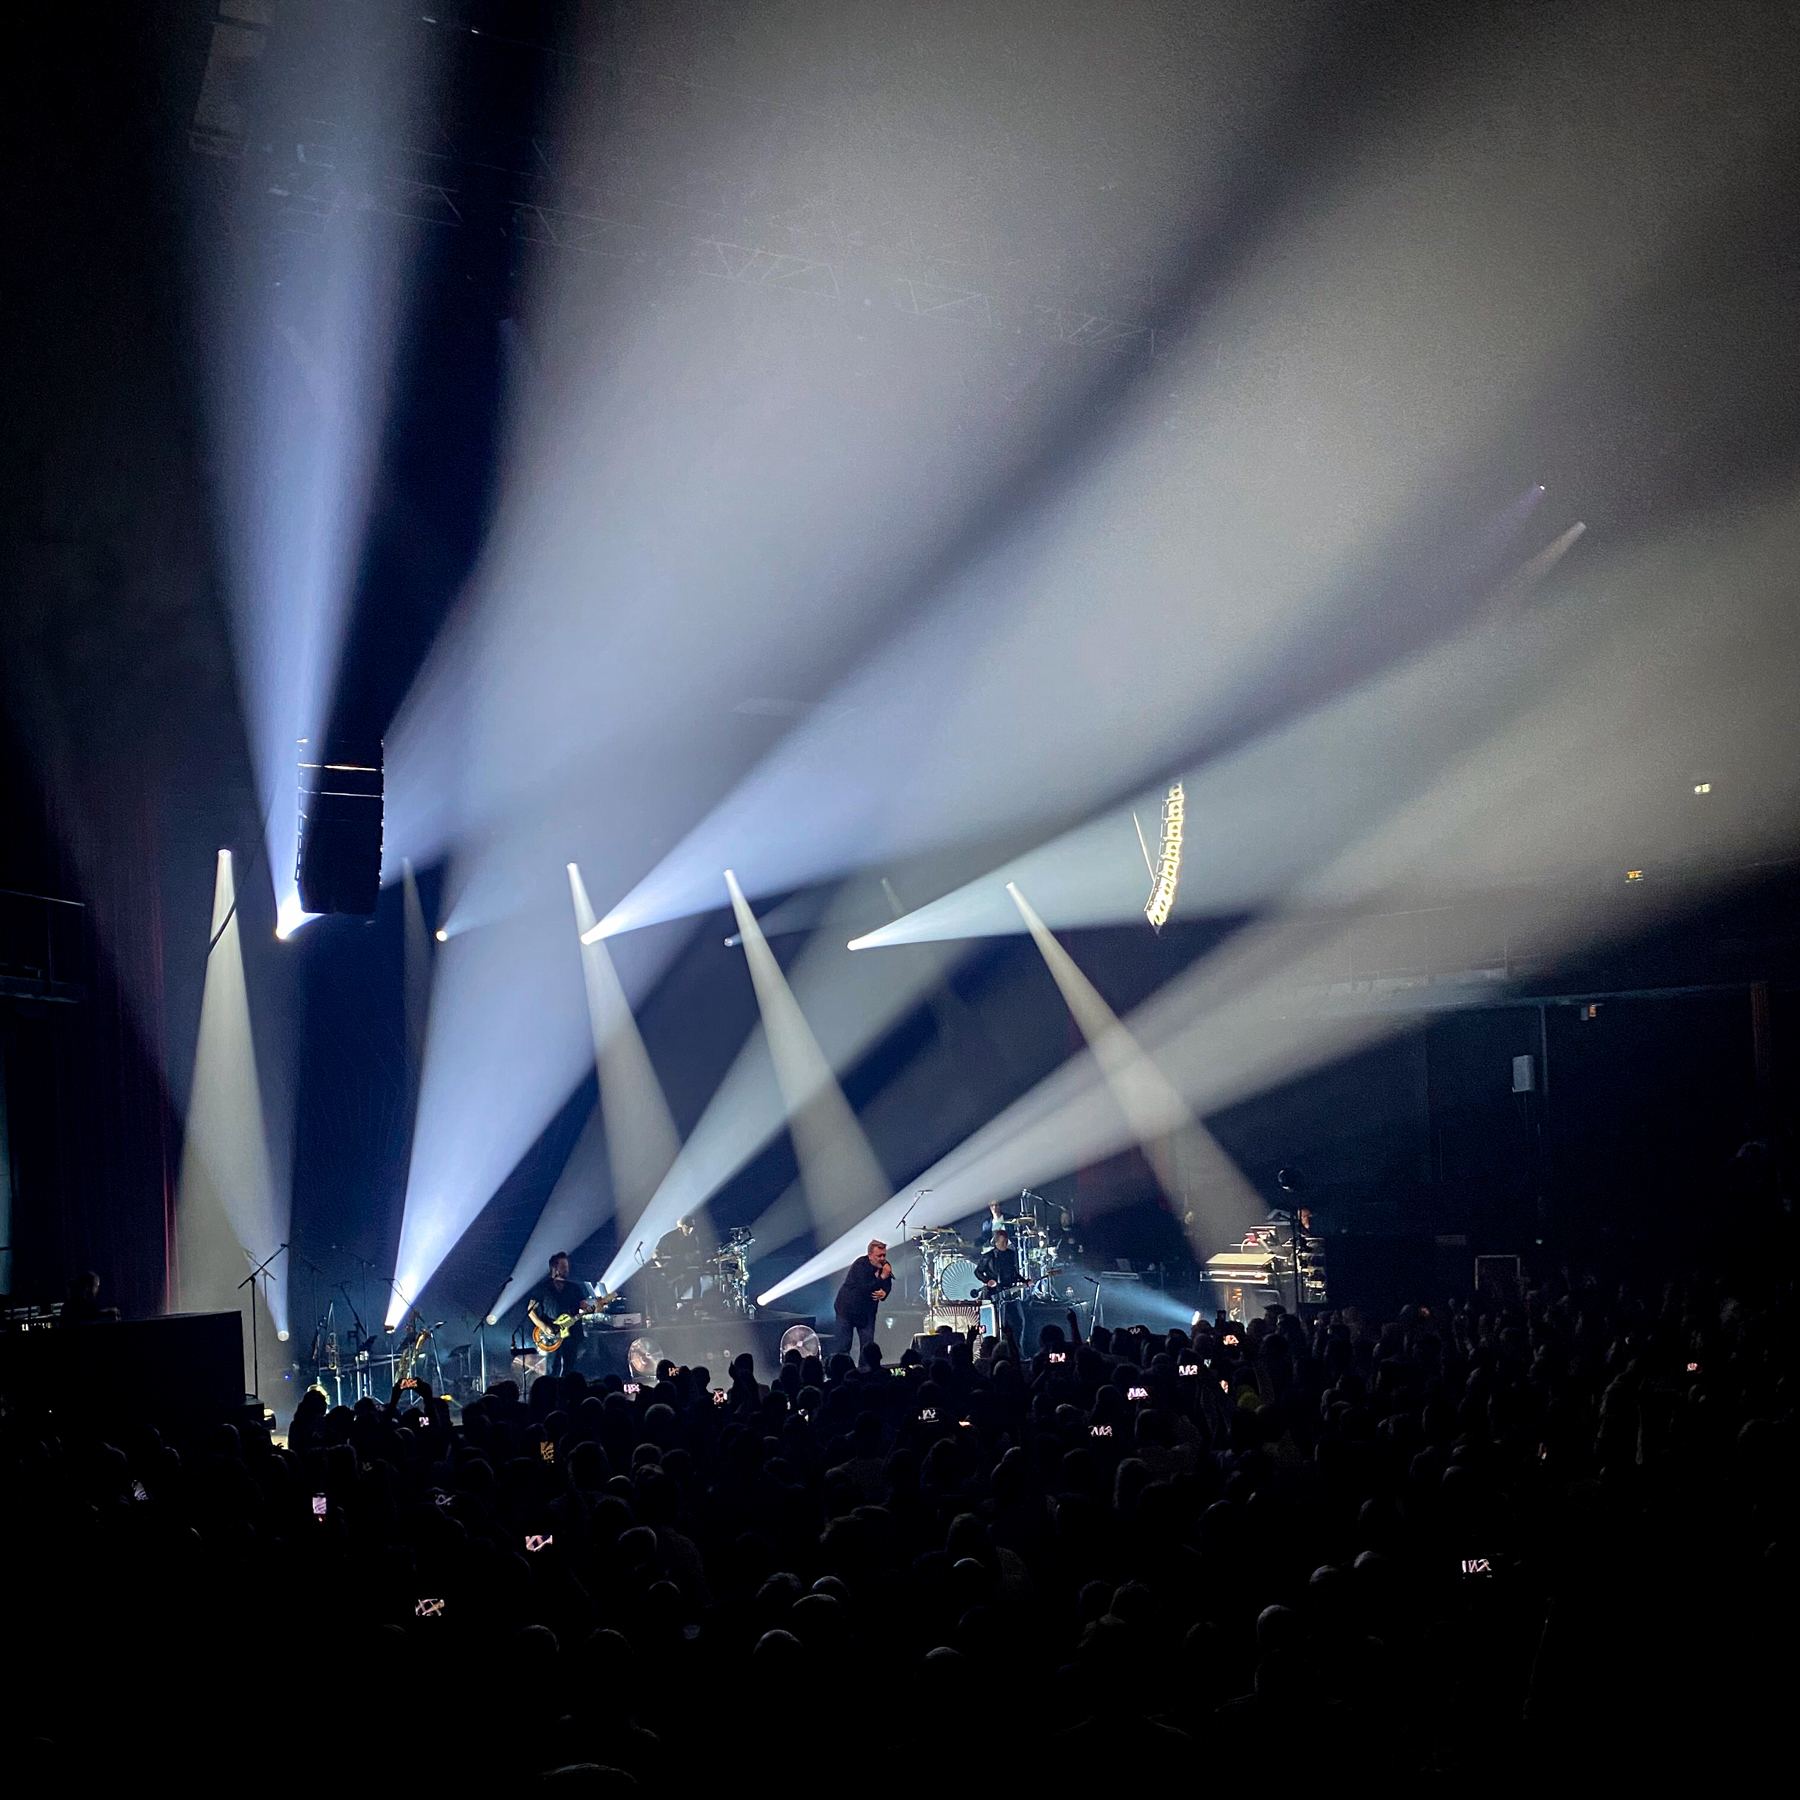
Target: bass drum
956	1279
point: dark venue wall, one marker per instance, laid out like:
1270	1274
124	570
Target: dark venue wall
124	760
90	1132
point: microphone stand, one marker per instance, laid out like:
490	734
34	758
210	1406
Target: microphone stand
249	1281
914	1201
359	1355
368	1268
362	1334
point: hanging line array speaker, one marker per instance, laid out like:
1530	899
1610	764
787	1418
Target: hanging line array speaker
339	867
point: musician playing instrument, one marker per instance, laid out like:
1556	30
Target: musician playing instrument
868	1281
999	1272
679	1265
680	1247
556	1311
1026	1212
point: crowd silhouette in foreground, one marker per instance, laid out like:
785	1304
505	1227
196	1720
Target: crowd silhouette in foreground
1498	1543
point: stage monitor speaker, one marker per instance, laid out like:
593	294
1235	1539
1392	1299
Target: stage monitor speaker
1120	1299
712	1343
896	1327
339	857
182	1373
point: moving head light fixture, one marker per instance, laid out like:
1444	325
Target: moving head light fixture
339	867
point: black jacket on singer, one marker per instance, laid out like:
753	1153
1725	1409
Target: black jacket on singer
856	1298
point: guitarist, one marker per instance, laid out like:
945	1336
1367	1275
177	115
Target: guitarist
560	1295
1000	1274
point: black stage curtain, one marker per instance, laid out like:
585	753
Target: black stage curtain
91	1132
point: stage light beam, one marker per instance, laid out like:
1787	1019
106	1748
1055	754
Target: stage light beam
1204	1187
1611	695
227	1207
641	1140
579	1204
848	1003
839	1172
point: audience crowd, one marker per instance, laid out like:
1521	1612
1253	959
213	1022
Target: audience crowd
1495	1542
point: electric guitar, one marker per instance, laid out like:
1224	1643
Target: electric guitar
551	1337
1019	1289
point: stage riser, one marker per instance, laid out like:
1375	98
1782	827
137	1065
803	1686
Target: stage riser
713	1346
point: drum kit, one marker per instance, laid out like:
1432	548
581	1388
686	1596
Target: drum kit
689	1285
948	1281
729	1267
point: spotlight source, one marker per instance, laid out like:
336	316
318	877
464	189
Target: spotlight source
290	917
281	1336
442	936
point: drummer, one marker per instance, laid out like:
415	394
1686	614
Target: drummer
1001	1216
681	1254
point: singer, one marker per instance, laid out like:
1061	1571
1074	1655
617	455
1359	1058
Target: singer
867	1283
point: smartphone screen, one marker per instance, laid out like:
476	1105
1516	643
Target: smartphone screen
927	1415
138	1490
1189	1370
536	1541
547	1451
897	1369
630	1389
719	1397
1230	1338
1059	1356
1477	1565
428	1609
1137	1393
320	1505
1100	1431
1224	1385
